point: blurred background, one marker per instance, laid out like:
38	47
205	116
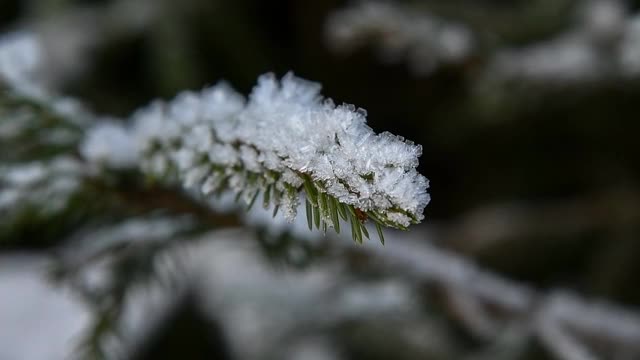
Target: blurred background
526	112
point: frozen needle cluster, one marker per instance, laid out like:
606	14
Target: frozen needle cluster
283	140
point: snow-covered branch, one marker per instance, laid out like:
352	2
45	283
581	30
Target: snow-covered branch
426	41
567	323
602	45
286	139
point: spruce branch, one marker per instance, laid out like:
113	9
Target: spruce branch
285	143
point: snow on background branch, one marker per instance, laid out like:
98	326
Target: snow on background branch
426	41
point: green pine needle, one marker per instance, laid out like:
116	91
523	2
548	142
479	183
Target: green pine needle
322	202
342	211
267	197
333	206
309	214
379	229
353	232
364	230
310	189
316	217
356	231
253	200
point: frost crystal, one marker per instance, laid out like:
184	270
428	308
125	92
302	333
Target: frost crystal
285	138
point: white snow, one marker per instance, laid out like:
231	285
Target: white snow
20	57
110	143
